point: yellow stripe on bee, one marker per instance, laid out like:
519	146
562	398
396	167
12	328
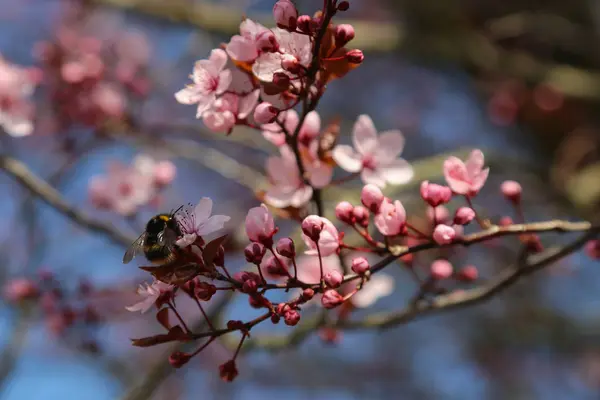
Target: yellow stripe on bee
165	218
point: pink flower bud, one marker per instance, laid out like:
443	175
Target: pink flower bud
274	267
438	215
312	227
260	225
304	23
290	63
307	294
343	34
333	279
355	56
204	291
511	190
254	253
371	197
343	6
468	273
285	15
267	42
265	113
464	215
178	359
281	79
443	234
344	212
391	218
505	221
592	249
20	289
441	269
320	232
291	317
361	216
331	299
285	247
228	371
360	265
435	194
164	173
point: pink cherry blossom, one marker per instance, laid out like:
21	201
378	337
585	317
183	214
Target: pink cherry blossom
444	234
150	294
375	156
391	218
293	49
16	87
285	14
210	79
328	238
289	119
200	222
466	178
380	285
244	47
228	109
265	113
162	171
435	194
260	225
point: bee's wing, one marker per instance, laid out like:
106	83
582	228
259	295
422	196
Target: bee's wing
167	237
135	248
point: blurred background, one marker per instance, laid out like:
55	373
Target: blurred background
519	79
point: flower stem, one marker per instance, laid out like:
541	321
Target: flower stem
183	324
210	325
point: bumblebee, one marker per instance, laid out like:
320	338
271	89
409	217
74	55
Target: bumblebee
157	242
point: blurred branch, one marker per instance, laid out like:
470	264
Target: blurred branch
214	17
15	343
53	198
459	299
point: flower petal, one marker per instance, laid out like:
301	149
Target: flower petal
279	196
475	163
372	176
379	286
189	95
203	210
213	224
224	81
396	172
389	146
320	174
347	158
247	104
218	121
479	180
301	196
242	49
456	176
364	134
311	126
266	65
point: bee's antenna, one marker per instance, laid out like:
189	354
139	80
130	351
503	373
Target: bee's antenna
175	212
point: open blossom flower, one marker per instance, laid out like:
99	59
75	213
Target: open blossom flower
375	156
328	238
260	225
466	178
391	218
16	87
210	79
380	285
289	119
244	47
200	222
150	295
294	49
228	109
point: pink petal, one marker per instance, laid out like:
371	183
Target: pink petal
213	224
301	196
320	174
456	176
251	29
240	82
290	120
372	176
189	95
364	134
478	182
279	171
217	60
218	121
203	210
378	286
347	158
204	103
475	163
18	126
279	197
311	126
224	81
390	145
277	138
247	104
396	172
241	49
266	65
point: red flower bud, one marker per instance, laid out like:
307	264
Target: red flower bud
178	359
228	371
343	34
355	56
331	299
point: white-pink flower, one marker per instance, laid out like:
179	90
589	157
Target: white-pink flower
210	79
200	222
294	49
149	293
244	47
289	119
288	188
380	285
260	224
375	156
16	87
328	241
228	109
466	178
391	218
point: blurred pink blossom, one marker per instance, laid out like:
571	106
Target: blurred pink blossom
150	294
19	289
16	87
228	109
380	285
466	178
288	188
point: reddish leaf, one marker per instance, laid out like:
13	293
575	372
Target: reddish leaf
163	318
210	250
175	333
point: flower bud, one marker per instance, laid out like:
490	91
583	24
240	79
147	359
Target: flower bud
333	279
592	249
438	215
468	273
219	259
281	79
304	23
444	234
505	221
355	56
254	253
250	286
441	269
178	359
204	291
361	216
464	215
343	6
290	63
255	302
274	267
371	197
265	113
285	247
343	34
20	289
307	294
331	299
275	318
511	190
360	265
285	15
312	227
291	317
435	194
228	371
344	212
236	324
